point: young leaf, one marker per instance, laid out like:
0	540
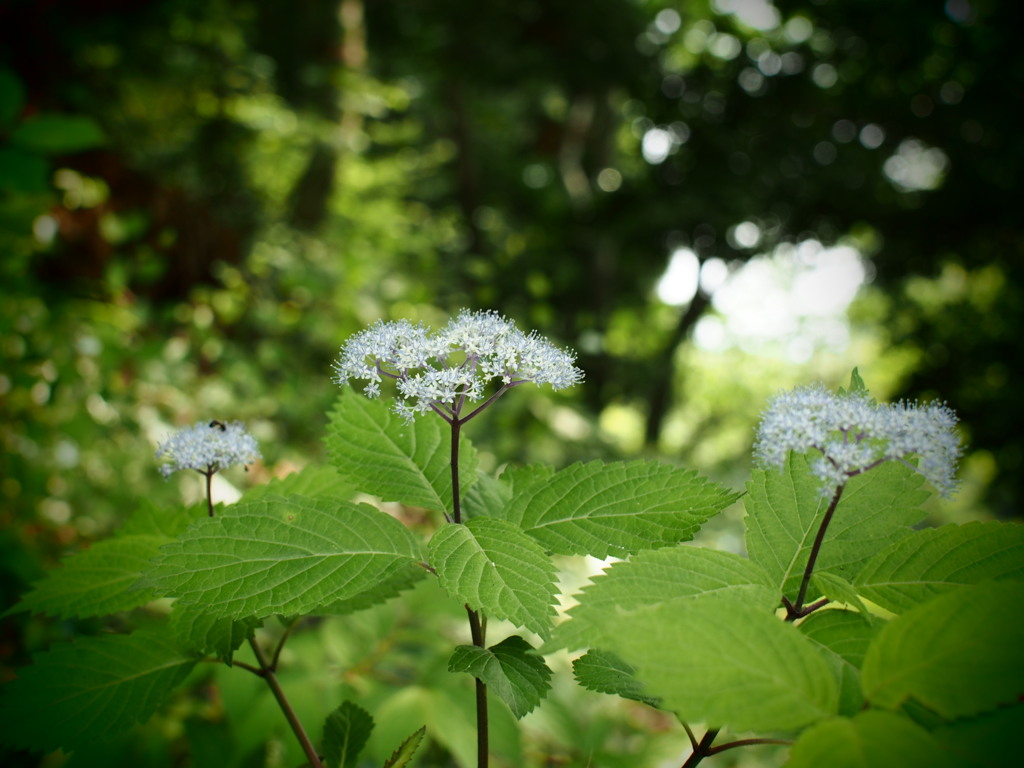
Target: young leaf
935	560
785	510
606	673
958	654
346	731
401	756
658	576
198	631
614	509
290	555
843	637
837	590
377	452
872	739
511	669
90	689
716	659
493	566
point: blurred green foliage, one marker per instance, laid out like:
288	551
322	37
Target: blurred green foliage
200	200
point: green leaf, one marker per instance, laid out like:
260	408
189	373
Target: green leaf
200	632
870	740
346	732
715	659
90	690
22	171
103	579
486	498
494	567
606	673
658	576
511	669
991	740
614	509
314	480
53	134
401	756
406	577
837	590
785	510
958	654
378	452
843	637
291	555
936	560
12	97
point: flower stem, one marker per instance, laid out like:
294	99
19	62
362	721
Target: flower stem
267	673
796	610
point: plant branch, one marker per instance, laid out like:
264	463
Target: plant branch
268	674
746	743
797	610
702	749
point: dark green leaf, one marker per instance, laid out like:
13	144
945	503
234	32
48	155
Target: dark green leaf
53	134
511	669
844	637
606	673
200	632
346	732
91	689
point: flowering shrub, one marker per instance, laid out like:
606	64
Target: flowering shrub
847	631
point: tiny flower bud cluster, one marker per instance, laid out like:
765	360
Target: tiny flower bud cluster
854	434
207	447
442	370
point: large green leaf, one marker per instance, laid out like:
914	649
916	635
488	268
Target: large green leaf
658	576
843	637
511	669
870	740
377	452
718	660
346	731
958	654
935	560
291	555
103	579
494	567
785	510
90	690
604	509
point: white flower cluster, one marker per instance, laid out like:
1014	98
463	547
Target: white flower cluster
207	447
442	370
854	433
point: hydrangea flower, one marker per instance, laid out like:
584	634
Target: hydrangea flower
854	433
444	370
207	447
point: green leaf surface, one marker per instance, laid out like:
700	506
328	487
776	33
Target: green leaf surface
104	578
715	659
837	590
658	576
288	555
54	134
936	560
405	577
22	171
12	97
843	637
785	510
991	740
346	731
959	654
511	669
494	567
90	690
198	631
314	480
379	453
870	740
613	509
605	672
401	756
487	497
